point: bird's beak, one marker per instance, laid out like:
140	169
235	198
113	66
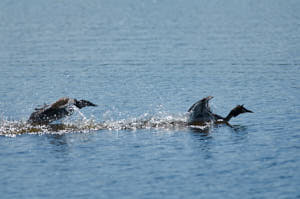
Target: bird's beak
91	104
88	103
248	111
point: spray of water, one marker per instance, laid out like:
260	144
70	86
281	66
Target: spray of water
161	120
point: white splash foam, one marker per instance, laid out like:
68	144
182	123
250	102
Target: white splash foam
161	120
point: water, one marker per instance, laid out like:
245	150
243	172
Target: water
145	63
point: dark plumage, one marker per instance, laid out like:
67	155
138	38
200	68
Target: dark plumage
59	109
200	113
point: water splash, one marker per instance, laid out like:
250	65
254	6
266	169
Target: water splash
82	124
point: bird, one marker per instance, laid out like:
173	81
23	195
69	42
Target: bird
61	108
200	113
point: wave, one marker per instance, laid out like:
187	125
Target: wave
166	121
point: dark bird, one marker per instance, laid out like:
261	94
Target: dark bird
59	109
200	113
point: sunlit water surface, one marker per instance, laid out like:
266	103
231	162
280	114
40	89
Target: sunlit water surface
145	63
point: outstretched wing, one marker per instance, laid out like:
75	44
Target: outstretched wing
42	107
61	103
200	112
194	106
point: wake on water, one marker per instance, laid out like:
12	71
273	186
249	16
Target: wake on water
146	121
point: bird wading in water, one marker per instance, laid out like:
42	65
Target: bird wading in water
201	115
59	109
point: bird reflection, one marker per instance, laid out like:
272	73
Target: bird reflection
59	143
203	131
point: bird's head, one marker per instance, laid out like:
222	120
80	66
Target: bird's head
83	103
239	109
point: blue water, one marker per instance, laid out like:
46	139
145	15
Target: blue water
145	63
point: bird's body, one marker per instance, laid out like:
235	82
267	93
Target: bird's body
61	108
200	113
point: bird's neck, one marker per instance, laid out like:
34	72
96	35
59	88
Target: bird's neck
229	116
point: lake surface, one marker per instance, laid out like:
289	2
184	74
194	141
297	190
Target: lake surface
145	63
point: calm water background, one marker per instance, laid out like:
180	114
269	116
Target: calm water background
140	58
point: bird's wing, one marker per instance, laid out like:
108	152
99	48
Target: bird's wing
62	102
42	107
194	105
